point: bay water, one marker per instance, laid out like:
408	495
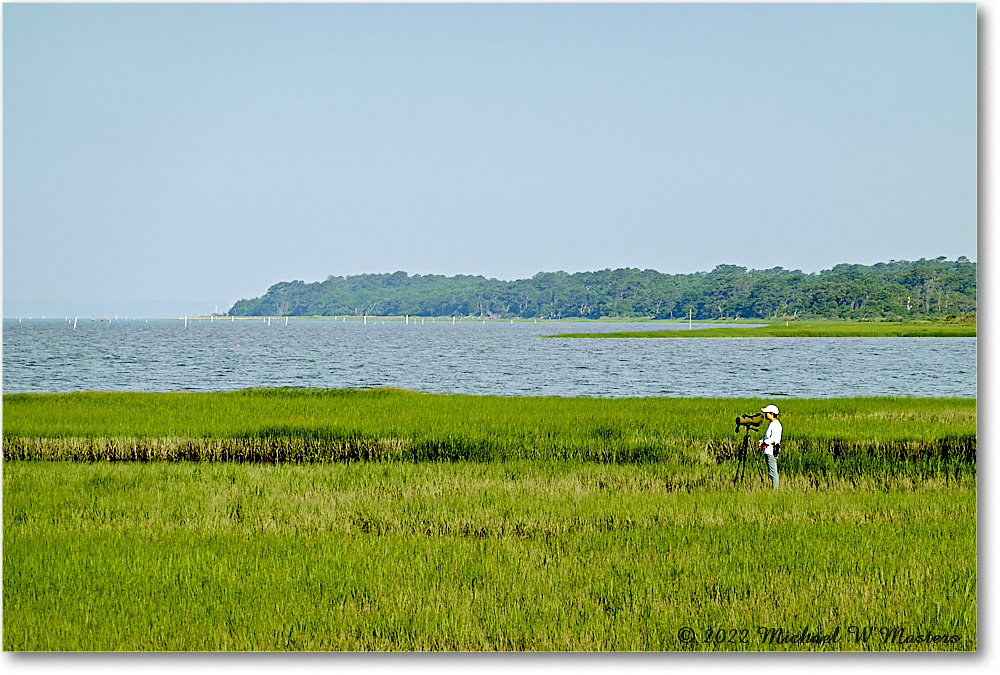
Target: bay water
469	357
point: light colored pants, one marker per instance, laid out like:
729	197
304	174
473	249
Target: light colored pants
772	469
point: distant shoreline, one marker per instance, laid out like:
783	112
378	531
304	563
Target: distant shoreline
372	317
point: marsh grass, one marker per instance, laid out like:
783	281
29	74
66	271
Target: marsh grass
817	329
391	520
842	438
466	556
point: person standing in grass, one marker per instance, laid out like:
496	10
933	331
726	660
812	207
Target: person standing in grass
771	443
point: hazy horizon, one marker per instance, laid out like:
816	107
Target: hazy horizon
162	160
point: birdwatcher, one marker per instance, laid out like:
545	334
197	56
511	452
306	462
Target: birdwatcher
771	443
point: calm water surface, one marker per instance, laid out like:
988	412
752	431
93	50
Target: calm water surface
470	358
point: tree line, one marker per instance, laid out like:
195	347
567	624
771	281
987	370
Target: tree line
894	290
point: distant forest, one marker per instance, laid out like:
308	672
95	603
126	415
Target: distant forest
894	290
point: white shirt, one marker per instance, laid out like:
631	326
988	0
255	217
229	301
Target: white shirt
772	437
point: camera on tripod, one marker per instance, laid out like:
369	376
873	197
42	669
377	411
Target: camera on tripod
748	422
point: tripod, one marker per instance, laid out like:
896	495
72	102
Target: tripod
741	458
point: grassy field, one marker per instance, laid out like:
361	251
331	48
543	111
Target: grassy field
390	520
829	328
338	425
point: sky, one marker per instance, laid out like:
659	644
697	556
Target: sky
173	159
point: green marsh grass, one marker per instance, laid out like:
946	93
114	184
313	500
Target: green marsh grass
830	328
831	437
392	520
468	556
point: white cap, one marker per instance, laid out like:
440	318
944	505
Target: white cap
770	409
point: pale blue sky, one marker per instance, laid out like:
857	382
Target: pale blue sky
175	158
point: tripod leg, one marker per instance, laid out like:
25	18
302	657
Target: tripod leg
741	466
